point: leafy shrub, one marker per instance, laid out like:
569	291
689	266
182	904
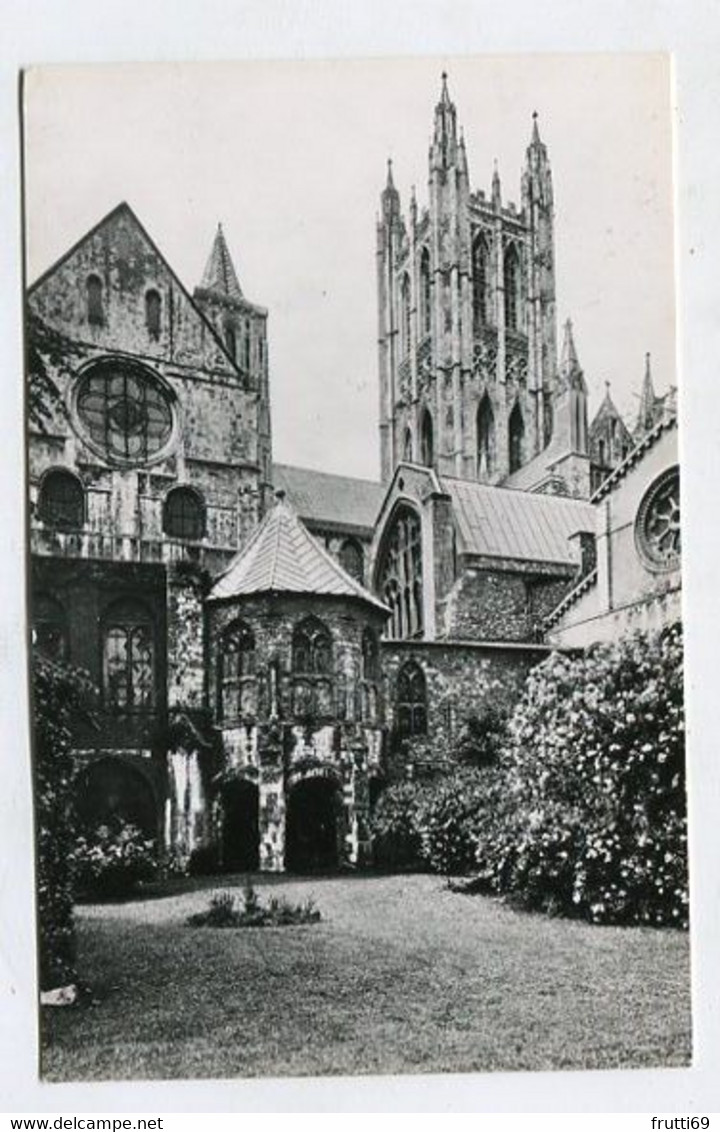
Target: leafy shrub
224	912
449	817
483	737
595	816
395	826
61	698
111	860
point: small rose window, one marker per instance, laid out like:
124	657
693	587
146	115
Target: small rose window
658	523
125	411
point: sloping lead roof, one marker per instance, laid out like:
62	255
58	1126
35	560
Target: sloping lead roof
283	557
322	498
500	523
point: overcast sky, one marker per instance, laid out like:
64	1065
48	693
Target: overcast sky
291	158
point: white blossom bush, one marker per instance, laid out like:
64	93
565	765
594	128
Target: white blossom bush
593	820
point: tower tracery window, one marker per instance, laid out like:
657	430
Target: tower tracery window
129	657
400	577
61	501
124	410
370	676
480	260
94	298
511	288
237	672
657	527
407	446
230	340
516	438
425	293
411	700
485	439
405	334
427	453
184	514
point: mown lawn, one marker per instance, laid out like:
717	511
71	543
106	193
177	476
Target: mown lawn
401	976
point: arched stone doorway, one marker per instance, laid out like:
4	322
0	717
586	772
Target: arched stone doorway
109	791
312	826
240	827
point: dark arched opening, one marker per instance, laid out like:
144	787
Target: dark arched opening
311	829
109	791
427	448
240	828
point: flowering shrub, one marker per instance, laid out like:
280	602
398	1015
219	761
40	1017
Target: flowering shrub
111	860
61	697
451	814
395	827
594	777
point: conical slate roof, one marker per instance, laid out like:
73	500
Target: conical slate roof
220	275
283	557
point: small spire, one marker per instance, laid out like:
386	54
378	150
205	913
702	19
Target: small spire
220	276
496	183
535	130
570	368
444	93
390	183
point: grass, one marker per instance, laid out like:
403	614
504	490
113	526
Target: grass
401	976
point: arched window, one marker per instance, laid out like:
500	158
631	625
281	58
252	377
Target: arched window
246	350
129	657
370	676
516	434
425	292
511	285
50	632
370	655
312	668
485	439
405	316
400	575
407	446
94	296
152	313
312	648
61	501
411	700
184	514
237	692
351	559
480	276
230	340
427	453
601	452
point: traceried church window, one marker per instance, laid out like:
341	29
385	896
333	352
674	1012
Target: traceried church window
238	682
511	285
485	439
400	577
405	337
124	410
94	295
184	514
312	668
425	292
516	435
129	657
152	313
411	700
246	350
49	628
351	559
407	446
427	453
657	528
480	274
230	340
61	501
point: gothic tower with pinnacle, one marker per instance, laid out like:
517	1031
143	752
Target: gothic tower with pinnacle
466	316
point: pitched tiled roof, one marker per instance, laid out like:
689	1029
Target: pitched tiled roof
283	557
497	522
324	499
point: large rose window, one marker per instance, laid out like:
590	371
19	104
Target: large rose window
125	411
658	522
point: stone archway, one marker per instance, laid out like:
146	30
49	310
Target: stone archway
240	844
313	825
110	790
